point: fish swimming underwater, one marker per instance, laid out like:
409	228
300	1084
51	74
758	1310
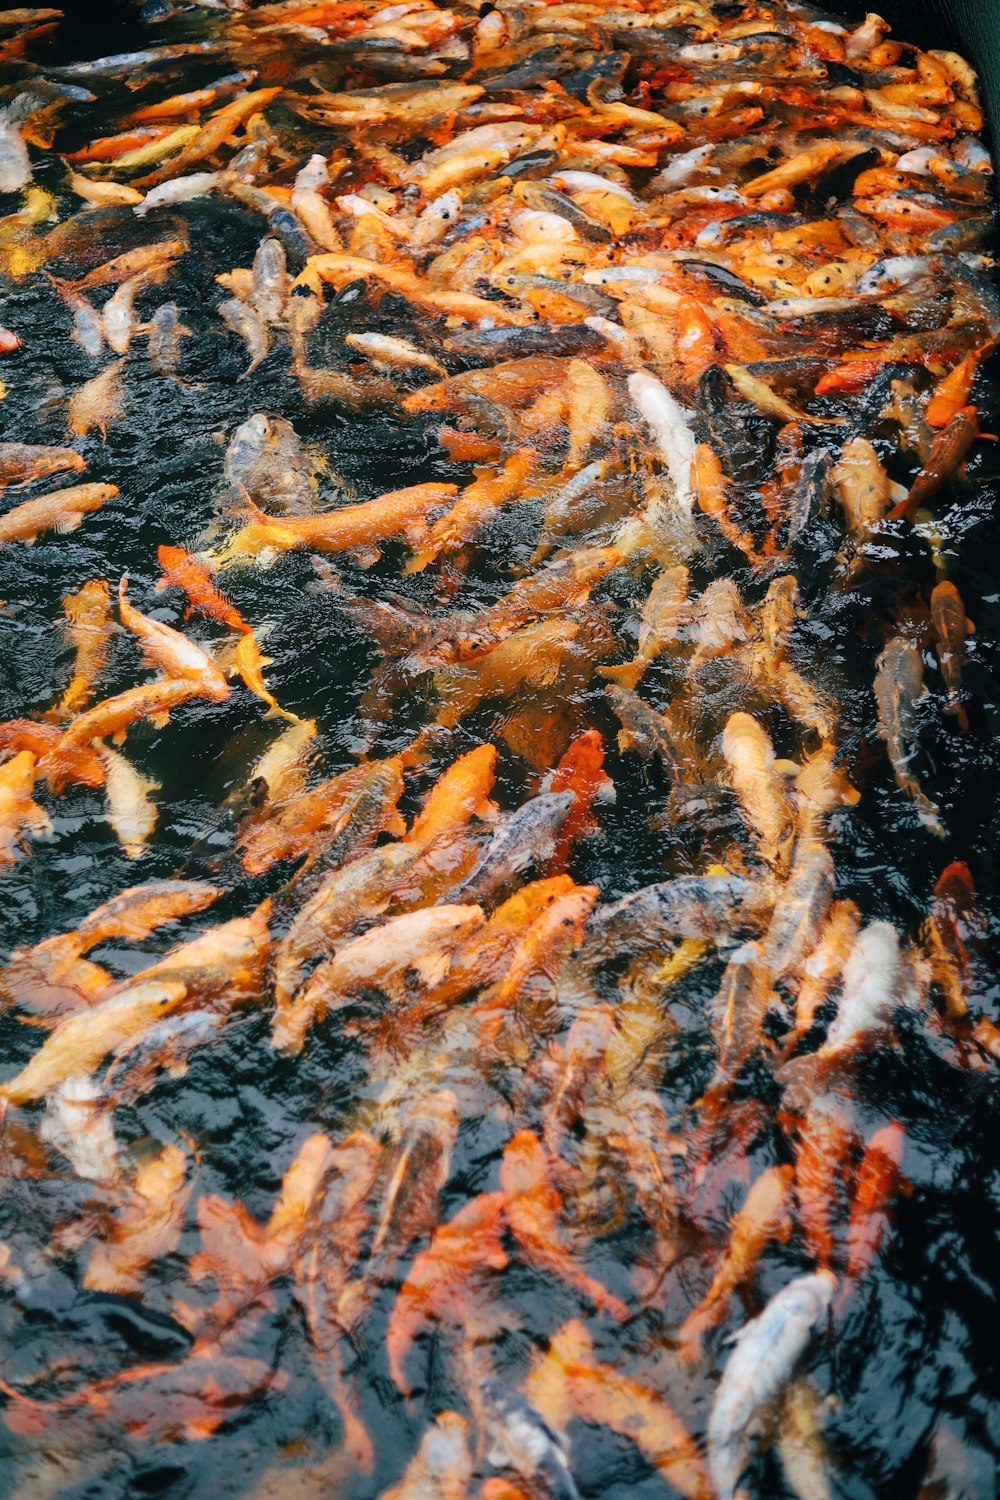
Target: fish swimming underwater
470	1015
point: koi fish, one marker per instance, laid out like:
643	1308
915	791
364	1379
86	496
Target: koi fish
19	812
766	1352
532	1211
446	1276
61	510
951	627
174	654
898	689
88	625
183	570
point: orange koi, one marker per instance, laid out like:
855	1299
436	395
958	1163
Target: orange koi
62	511
446	1275
580	771
533	1206
184	571
879	1181
172	652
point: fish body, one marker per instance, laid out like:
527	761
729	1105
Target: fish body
862	486
353	526
15	163
98	403
765	1216
765	1354
22	463
532	1209
749	757
265	457
570	1381
419	941
824	1140
951	628
523	1441
345	811
19	812
527	837
718	622
948	450
671	426
874	983
118	313
745	995
898	689
131	813
442	1467
800	910
709	907
174	654
250	663
663	617
446	1276
879	1179
163	343
530	656
77	1124
140	909
802	1447
88	626
184	571
61	510
247	323
78	1043
824	964
147	1225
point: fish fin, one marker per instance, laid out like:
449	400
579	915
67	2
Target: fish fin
365	557
628	674
275	711
224	657
431	968
71	523
787	768
418	561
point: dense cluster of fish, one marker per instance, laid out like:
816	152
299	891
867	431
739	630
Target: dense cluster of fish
681	295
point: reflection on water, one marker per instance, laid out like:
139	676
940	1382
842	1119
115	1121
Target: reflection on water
470	953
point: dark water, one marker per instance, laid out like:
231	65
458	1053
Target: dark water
912	1359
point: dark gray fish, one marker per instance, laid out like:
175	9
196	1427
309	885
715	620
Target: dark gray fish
812	493
495	344
712	907
550	200
590	297
528	164
526	837
725	278
531	72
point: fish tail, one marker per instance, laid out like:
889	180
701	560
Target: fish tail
955	709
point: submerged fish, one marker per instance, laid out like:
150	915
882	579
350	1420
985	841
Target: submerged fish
765	1354
898	688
